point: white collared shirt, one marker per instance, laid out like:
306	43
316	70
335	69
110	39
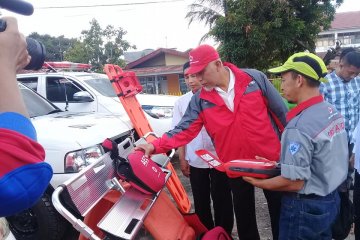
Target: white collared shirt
201	141
228	96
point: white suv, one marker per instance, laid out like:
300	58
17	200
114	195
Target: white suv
71	141
93	92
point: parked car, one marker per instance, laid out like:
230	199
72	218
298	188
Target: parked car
71	142
92	92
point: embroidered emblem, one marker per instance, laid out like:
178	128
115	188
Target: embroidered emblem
294	147
330	110
251	83
190	58
192	61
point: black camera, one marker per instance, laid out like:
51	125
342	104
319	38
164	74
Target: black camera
35	48
37	52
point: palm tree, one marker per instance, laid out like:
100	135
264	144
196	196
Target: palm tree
207	11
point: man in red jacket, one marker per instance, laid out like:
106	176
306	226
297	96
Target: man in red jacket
243	115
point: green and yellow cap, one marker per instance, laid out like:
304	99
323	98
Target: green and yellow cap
307	64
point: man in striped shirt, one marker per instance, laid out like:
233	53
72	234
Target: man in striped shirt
343	88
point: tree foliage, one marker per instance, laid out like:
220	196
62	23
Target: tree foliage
93	42
78	53
262	33
207	11
55	46
96	46
99	46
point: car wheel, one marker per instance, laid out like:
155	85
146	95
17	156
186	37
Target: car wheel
41	222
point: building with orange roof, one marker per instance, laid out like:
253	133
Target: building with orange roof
161	71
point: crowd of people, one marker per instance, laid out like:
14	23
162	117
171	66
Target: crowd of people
245	118
235	114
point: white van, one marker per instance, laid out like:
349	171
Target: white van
71	142
93	92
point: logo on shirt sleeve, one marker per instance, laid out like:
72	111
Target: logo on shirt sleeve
330	110
251	83
294	147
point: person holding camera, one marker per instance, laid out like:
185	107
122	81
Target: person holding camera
24	176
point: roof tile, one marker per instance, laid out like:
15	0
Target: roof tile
346	20
156	70
155	53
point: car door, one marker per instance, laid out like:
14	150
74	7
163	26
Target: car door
30	82
62	92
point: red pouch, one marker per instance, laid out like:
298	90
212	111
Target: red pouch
140	171
210	159
194	221
143	173
257	168
217	233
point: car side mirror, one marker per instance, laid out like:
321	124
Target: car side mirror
83	96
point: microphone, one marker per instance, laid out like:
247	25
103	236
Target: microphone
17	6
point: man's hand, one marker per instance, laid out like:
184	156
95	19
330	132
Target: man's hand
185	167
253	181
148	149
278	183
14	55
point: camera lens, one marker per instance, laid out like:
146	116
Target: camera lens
37	52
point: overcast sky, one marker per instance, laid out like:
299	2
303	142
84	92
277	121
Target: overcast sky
148	25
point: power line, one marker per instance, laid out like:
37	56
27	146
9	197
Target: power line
110	5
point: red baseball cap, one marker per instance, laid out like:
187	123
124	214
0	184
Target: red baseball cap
200	57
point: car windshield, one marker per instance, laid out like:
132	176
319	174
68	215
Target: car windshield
102	85
35	104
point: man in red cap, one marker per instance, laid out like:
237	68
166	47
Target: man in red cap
243	115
